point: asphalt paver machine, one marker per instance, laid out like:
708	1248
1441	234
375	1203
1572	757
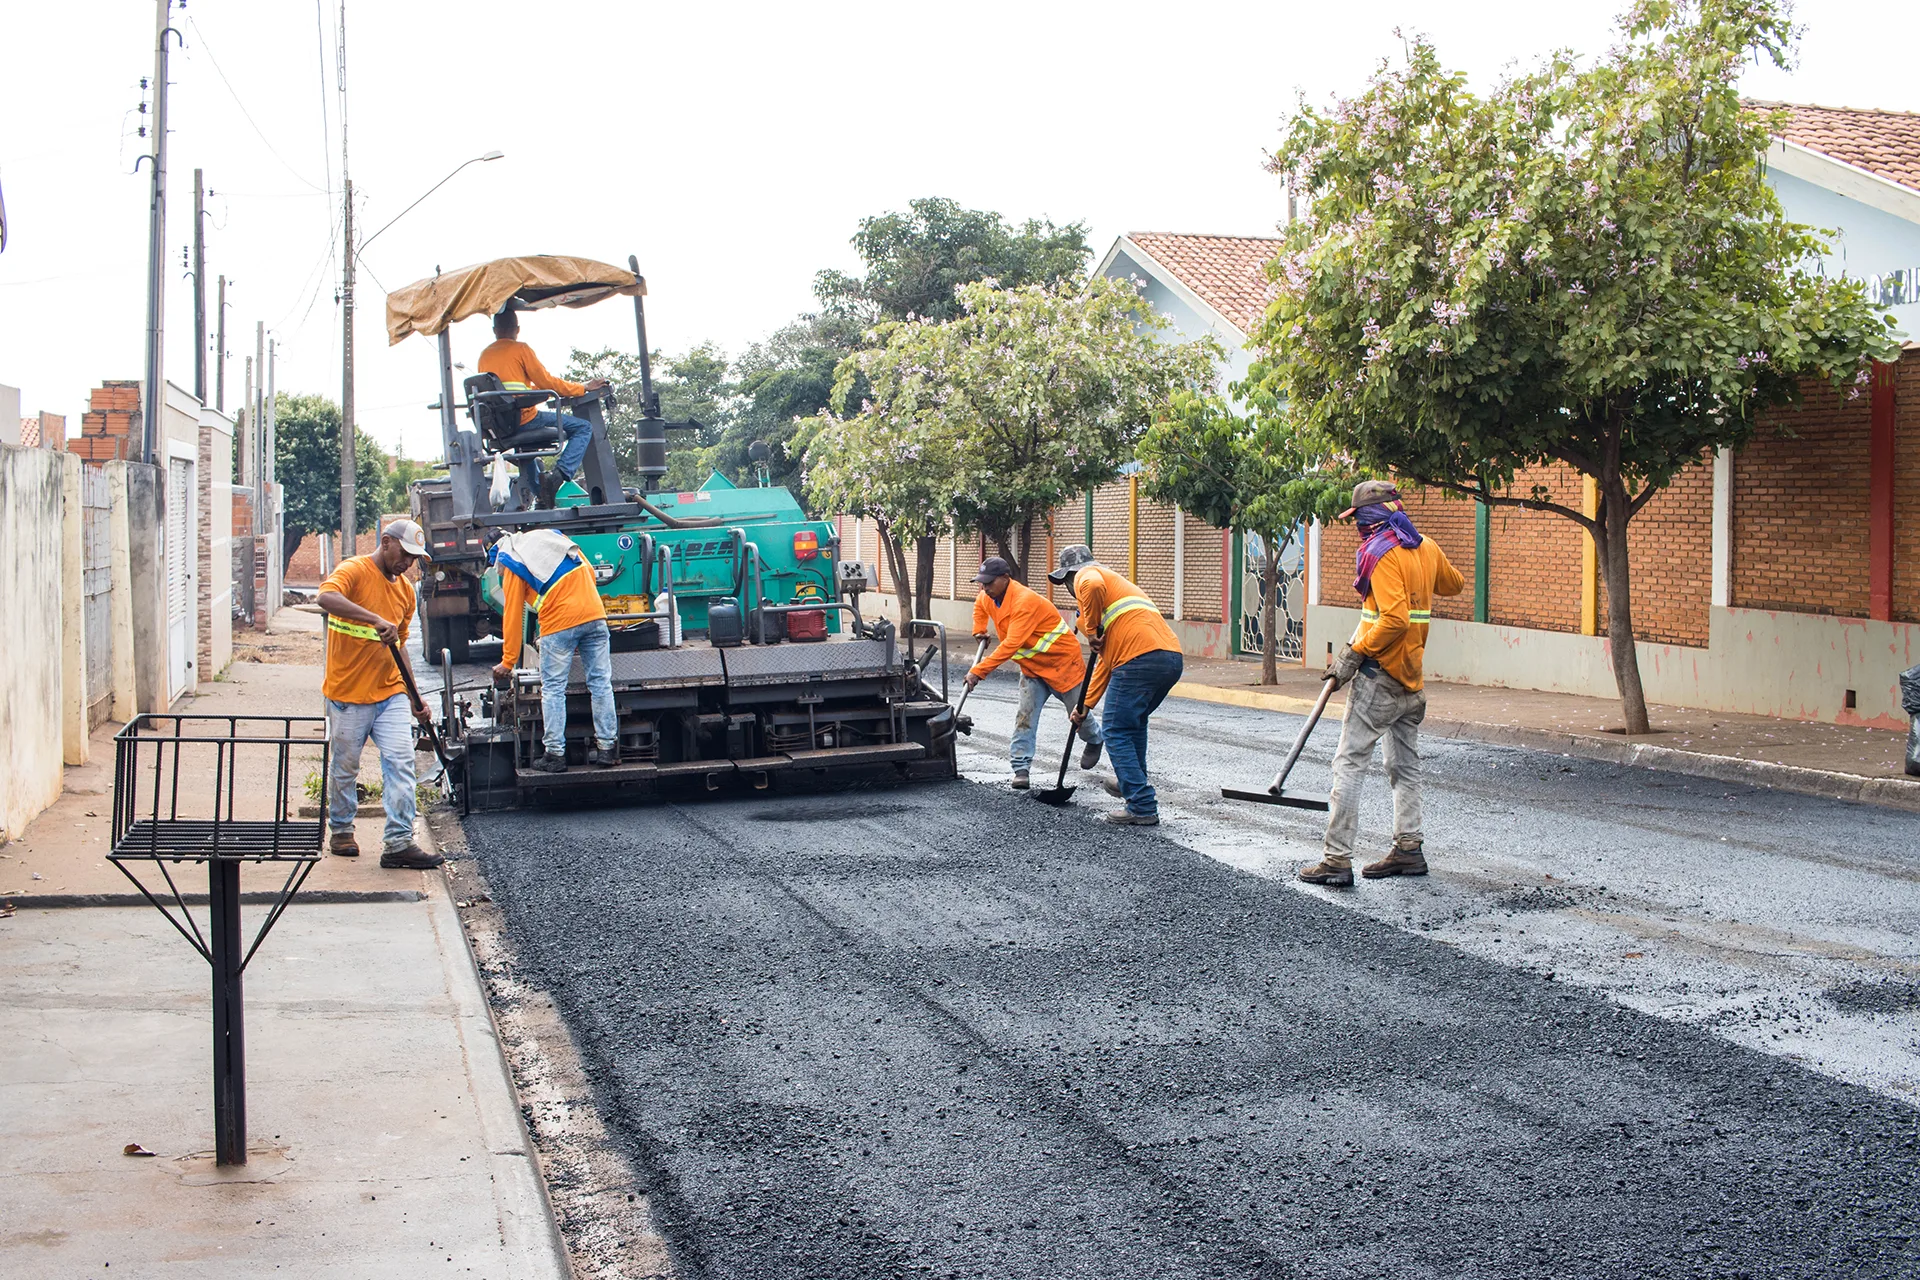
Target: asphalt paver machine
741	655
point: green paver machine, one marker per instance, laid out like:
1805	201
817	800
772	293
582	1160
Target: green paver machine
740	654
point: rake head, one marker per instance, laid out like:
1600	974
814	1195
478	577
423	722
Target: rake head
1290	799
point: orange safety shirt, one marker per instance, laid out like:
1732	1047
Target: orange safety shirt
1033	634
1120	614
567	603
512	361
359	668
1394	617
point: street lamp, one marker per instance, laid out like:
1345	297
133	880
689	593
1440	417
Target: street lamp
348	525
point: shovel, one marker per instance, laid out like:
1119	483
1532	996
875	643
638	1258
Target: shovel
1276	794
1059	795
426	726
960	722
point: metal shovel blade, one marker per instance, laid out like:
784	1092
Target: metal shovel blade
1291	799
1058	797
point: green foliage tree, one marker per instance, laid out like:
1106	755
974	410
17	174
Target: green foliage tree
994	418
693	387
1257	474
782	382
306	461
1586	266
916	260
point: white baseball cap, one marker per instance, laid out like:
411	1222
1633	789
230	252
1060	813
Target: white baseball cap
408	535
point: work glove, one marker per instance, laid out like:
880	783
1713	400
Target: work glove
1346	665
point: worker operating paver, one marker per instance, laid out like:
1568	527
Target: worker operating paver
368	602
544	568
1139	662
1398	571
1035	636
517	367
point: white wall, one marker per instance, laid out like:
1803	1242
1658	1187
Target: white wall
31	732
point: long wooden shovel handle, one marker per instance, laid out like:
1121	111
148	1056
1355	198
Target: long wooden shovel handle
1299	743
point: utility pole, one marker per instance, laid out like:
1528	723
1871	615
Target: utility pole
156	393
220	353
199	290
347	523
257	405
247	459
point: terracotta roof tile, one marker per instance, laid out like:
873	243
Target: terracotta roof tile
1228	272
1884	143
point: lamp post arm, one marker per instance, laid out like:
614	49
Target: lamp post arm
494	155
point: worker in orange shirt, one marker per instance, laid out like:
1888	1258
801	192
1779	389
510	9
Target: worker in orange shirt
544	568
368	602
514	363
1039	641
1399	572
1139	663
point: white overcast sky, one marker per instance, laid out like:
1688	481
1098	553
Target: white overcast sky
732	147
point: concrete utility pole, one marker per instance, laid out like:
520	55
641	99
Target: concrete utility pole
199	290
347	523
220	353
156	391
250	413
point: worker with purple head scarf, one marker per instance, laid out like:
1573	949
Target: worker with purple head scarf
1398	572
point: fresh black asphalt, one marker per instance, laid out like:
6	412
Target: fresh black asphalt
945	1031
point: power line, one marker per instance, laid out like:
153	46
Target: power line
326	136
235	94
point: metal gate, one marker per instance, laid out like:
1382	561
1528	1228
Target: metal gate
96	525
1290	595
180	557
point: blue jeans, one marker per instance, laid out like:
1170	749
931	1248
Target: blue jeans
578	432
592	642
1134	692
390	725
1026	721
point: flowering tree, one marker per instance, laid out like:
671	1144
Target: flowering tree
1259	474
1586	266
990	420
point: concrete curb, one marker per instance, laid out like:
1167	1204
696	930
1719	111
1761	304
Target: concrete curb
1889	793
320	897
528	1227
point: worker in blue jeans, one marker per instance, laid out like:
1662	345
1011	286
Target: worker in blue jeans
1139	663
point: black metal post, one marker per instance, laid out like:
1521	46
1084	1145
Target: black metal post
229	1038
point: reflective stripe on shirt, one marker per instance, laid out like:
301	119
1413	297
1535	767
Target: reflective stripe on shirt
1413	615
358	630
1043	644
1125	605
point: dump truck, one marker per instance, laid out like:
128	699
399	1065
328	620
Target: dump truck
741	655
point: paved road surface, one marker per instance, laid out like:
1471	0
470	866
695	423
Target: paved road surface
945	1031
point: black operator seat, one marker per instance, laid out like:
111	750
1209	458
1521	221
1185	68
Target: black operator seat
496	410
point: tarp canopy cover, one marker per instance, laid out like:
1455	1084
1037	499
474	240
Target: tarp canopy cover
430	305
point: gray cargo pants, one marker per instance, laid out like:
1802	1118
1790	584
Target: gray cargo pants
1377	706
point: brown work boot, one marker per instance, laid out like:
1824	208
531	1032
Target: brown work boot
343	845
1324	872
1401	862
410	858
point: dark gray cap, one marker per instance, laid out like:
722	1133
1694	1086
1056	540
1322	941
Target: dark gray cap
993	567
1370	493
1071	558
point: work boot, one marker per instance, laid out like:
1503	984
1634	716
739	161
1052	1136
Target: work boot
1124	818
1020	780
550	487
1324	872
343	845
1090	756
1112	787
1401	862
411	857
551	763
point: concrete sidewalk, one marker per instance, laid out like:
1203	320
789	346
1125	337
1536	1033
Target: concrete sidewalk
1842	762
386	1139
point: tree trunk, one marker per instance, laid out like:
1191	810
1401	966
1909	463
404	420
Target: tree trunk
1611	551
897	568
290	540
1269	613
1002	540
1026	549
923	550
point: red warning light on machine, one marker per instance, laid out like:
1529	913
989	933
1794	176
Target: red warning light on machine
806	545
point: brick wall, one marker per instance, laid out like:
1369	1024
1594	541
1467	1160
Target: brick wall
303	567
111	429
1800	510
1202	603
1155	554
1670	545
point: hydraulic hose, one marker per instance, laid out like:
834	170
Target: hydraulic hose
676	522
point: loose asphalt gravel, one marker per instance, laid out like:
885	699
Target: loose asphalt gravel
947	1031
